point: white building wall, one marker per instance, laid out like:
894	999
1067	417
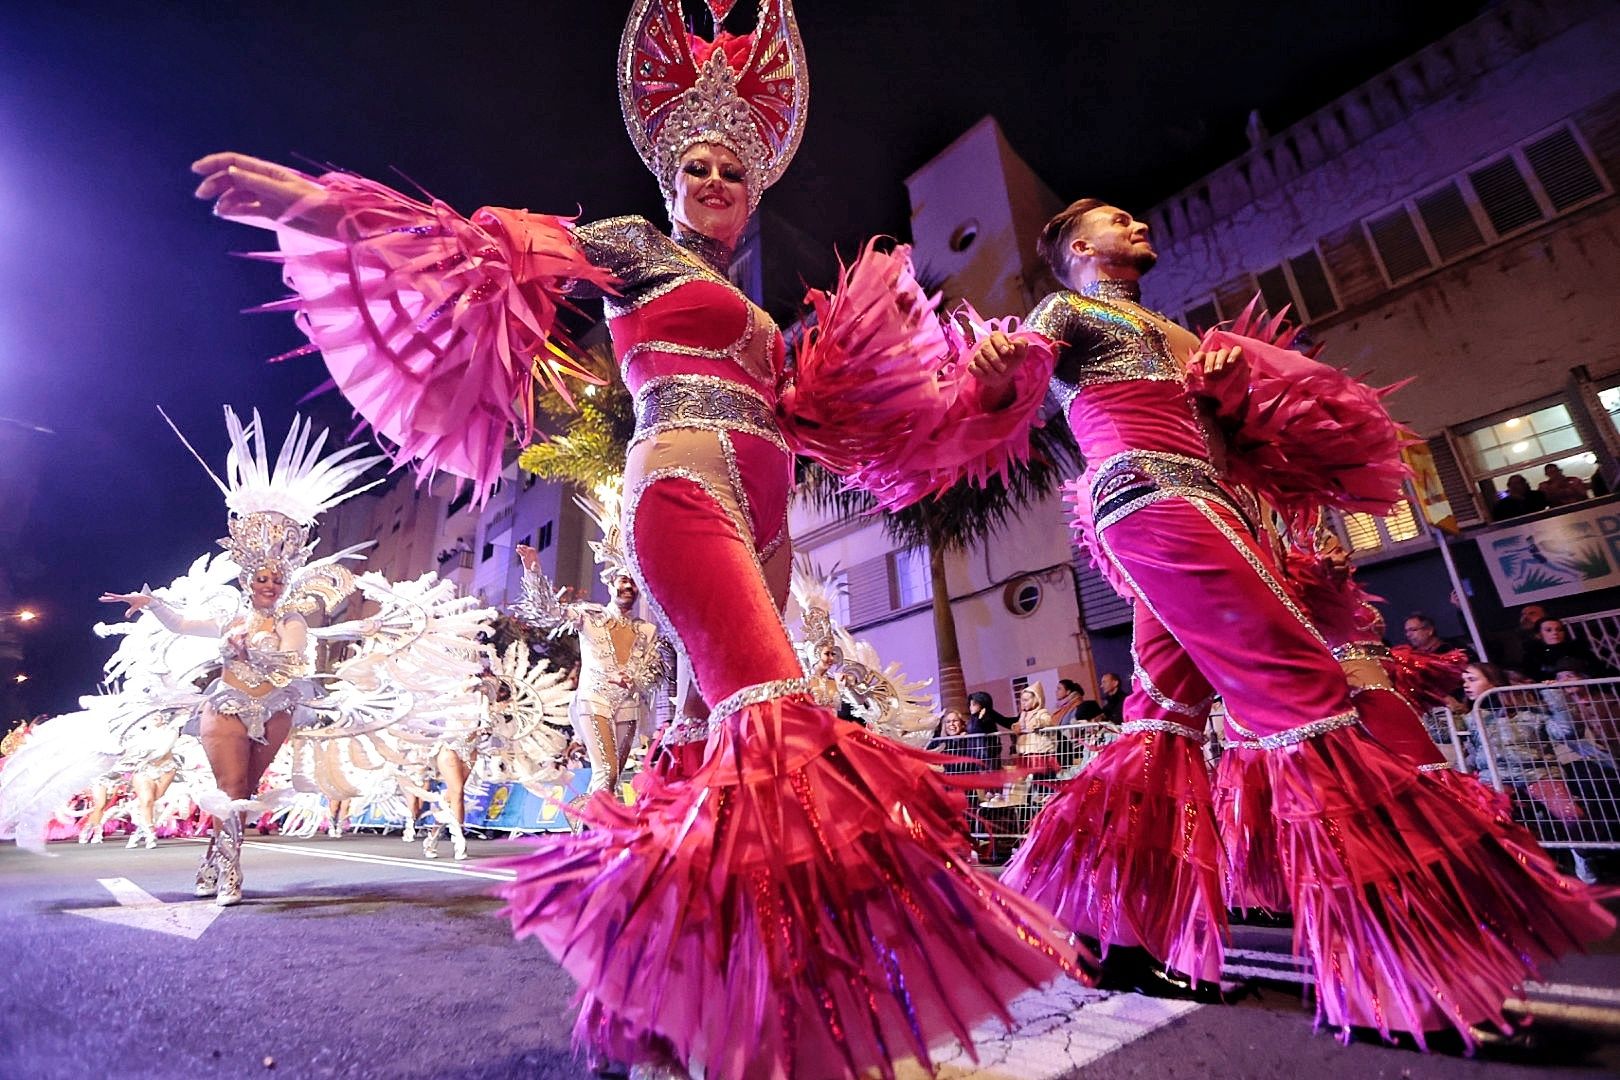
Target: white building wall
1477	333
978	183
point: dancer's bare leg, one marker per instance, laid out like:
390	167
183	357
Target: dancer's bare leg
90	832
238	763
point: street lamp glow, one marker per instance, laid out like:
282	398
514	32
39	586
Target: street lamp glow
27	616
19	678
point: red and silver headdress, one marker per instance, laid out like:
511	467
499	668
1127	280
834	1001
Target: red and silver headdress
745	93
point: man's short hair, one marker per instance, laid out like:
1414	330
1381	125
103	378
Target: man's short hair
1421	617
1053	243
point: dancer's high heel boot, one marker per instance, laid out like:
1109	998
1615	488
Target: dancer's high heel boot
229	840
208	868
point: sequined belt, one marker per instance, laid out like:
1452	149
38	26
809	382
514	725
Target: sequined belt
1127	482
704	402
1361	650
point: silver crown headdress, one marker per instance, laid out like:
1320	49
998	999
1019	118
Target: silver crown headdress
273	504
748	94
612	561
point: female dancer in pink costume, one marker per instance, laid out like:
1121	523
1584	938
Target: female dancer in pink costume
797	903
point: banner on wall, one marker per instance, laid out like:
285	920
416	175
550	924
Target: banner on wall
1572	553
512	807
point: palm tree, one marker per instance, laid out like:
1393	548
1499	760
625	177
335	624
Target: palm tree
952	521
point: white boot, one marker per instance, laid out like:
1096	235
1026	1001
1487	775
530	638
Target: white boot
430	843
230	860
208	871
410	831
458	840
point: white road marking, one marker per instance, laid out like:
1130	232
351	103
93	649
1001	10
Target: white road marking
1593	1015
433	865
1607	995
1055	1031
143	911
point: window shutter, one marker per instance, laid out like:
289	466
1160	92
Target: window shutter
1101	608
869	591
1565	174
1450	223
1273	285
1459	492
1201	318
1505	195
1349	259
1314	291
1399	247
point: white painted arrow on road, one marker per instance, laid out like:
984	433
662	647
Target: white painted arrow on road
140	909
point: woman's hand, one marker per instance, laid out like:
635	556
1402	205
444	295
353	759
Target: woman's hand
133	601
263	193
528	556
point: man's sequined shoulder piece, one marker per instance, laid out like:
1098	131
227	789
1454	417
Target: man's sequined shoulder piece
1060	314
647	263
1103	343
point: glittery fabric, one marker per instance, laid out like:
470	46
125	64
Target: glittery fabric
747	94
788	896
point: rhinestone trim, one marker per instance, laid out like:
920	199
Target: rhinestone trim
1376	651
758	693
1163	727
1316	728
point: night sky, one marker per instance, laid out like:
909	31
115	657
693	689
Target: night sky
117	293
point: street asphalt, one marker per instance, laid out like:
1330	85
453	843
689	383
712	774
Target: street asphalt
355	957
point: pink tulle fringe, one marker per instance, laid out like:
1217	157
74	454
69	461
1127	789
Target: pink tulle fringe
1304	435
1127	853
882	394
1417	908
801	906
433	325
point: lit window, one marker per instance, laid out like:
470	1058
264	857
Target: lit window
1526	444
908	577
838	597
1363	532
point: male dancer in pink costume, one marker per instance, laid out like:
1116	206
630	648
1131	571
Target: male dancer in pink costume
1414	913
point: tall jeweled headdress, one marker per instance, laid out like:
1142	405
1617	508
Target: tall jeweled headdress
612	562
273	505
748	94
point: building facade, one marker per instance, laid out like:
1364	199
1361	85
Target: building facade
977	208
1455	221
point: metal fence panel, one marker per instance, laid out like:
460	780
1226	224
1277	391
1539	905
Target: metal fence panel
1553	748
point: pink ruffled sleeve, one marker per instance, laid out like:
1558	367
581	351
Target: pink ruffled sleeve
434	326
882	394
1303	435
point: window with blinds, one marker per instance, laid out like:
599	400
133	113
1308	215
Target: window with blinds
1299	284
1539	179
1395	238
1567	176
1505	196
1450	221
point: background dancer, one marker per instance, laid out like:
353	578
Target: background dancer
620	656
247	712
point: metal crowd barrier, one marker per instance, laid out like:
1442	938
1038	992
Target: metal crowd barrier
998	819
1554	749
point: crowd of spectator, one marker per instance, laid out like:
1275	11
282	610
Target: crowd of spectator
1557	489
